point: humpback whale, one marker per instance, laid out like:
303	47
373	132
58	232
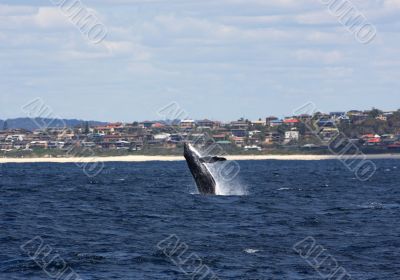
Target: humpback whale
198	167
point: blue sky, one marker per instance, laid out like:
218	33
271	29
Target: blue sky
220	59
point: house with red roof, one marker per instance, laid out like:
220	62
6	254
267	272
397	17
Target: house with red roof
371	139
157	125
291	121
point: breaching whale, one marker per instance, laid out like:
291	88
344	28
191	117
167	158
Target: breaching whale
198	167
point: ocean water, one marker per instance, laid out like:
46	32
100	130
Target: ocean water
114	226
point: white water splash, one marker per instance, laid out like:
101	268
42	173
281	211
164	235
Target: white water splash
251	251
223	186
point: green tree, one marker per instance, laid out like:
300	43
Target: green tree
394	122
282	129
5	126
87	130
302	128
374	113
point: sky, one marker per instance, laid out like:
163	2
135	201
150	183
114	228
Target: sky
217	59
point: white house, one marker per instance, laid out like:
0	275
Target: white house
14	138
187	124
291	135
162	136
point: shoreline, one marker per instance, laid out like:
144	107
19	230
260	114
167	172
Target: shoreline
181	158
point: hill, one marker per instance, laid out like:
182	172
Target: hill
32	124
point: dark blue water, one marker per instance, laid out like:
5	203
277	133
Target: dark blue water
109	227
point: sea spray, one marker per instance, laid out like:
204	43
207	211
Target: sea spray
223	186
224	173
233	186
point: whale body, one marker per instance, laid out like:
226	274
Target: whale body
198	167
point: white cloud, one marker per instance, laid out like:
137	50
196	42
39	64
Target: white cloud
392	4
273	3
50	17
229	47
316	17
333	37
12	10
17	17
168	27
327	57
133	50
239	20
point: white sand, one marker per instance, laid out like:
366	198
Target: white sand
180	158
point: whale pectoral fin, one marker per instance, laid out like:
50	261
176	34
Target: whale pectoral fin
211	159
205	159
218	159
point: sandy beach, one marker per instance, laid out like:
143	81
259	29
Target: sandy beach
180	158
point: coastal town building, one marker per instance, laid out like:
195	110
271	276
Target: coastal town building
272	138
207	124
187	124
275	123
292	135
372	129
291	121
